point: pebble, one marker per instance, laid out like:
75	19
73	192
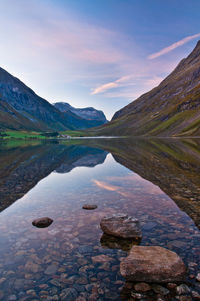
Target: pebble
136	295
51	269
149	226
80	299
2	280
185	298
195	295
198	277
182	289
159	289
12	298
89	207
101	258
68	294
142	287
171	285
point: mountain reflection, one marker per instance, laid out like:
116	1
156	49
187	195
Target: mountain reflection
22	167
171	164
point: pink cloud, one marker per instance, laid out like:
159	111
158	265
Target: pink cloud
173	46
122	81
125	81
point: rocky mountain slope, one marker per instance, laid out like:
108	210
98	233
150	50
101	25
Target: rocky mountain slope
21	108
96	117
171	109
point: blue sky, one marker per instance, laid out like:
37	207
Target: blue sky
102	53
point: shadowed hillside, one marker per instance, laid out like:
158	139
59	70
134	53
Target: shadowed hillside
171	109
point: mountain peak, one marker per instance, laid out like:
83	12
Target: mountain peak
172	108
88	113
22	108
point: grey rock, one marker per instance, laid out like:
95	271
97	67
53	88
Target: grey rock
85	249
121	225
196	295
149	226
69	294
12	298
51	269
198	277
182	289
23	284
160	289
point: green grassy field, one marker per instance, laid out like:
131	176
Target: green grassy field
29	135
21	135
75	133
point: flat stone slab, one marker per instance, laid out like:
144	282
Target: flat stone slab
89	206
42	222
121	225
152	264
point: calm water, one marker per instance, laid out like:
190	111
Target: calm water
157	182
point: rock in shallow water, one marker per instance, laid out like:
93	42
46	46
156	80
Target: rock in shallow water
198	277
142	287
89	206
152	264
42	222
121	225
113	242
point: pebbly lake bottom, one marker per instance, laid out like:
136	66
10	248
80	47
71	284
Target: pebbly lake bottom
71	259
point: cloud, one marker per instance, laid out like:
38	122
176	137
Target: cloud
105	87
111	85
154	81
130	86
173	46
109	187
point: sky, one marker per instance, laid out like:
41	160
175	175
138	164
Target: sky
102	53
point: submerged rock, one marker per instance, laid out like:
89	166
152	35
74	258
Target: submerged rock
112	242
152	264
42	222
182	289
101	258
89	206
121	225
142	287
198	277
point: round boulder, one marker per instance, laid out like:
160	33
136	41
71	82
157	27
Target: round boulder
152	264
121	225
42	222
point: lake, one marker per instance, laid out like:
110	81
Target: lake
156	181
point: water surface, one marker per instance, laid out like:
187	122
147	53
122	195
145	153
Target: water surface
155	181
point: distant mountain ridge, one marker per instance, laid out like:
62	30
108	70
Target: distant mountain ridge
170	109
22	109
88	113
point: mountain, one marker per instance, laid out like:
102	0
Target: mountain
21	108
95	116
171	109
